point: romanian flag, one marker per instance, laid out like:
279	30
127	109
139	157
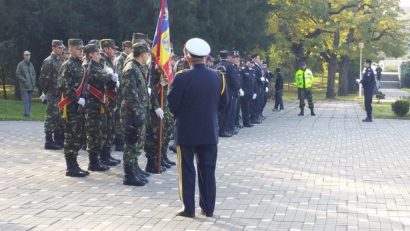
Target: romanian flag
161	47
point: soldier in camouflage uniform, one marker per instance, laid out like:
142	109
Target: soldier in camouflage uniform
119	63
48	82
134	110
108	61
157	114
69	83
95	106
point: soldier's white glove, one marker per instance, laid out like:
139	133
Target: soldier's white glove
109	70
149	91
43	97
163	82
81	101
114	77
262	79
266	89
117	84
241	92
254	96
159	112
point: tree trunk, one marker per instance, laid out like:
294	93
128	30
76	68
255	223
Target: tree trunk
331	76
344	76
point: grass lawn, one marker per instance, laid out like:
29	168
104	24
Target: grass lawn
12	109
383	111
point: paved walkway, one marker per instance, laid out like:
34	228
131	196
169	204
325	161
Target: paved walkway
329	172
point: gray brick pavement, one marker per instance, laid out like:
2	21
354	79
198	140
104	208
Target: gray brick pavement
329	172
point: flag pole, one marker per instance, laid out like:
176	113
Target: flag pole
161	104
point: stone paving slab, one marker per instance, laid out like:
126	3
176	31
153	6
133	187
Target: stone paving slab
329	172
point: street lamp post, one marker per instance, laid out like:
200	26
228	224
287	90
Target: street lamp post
361	45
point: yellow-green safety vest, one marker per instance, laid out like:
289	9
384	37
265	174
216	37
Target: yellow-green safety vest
304	79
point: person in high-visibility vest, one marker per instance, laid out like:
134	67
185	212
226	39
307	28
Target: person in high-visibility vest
304	80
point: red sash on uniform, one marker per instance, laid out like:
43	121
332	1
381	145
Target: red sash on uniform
98	94
111	93
66	101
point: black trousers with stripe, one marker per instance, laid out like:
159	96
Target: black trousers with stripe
206	156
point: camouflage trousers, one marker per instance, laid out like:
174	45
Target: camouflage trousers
118	128
95	128
110	113
53	121
73	129
133	150
152	137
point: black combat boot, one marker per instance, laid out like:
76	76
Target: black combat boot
130	177
302	112
119	144
73	169
166	159
141	172
152	166
50	144
173	148
59	138
138	174
95	164
105	157
163	162
312	112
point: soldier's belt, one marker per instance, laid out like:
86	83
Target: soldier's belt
98	94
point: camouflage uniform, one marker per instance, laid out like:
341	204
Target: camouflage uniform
96	118
134	109
69	80
151	144
48	81
111	107
119	137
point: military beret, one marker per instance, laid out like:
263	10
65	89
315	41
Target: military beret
75	43
140	37
140	47
198	47
127	44
57	43
108	43
90	48
95	42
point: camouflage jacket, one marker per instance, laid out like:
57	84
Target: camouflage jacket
49	73
69	79
105	61
135	103
119	62
97	78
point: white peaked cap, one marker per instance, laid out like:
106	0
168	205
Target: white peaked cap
198	47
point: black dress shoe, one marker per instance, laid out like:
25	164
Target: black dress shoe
368	120
225	134
248	125
206	214
183	213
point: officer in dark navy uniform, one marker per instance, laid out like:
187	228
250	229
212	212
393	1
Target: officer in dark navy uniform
369	83
195	98
248	87
227	116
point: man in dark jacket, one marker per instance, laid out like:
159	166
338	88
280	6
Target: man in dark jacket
278	91
369	82
194	99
